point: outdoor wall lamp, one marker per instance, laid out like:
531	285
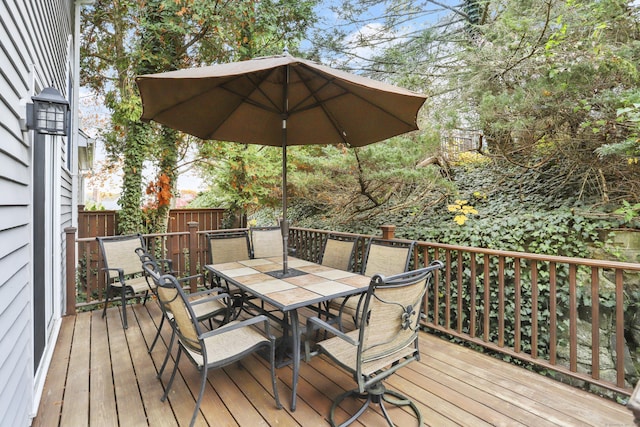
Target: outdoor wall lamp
49	113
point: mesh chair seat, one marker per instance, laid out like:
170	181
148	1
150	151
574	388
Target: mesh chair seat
137	284
229	246
203	309
266	242
227	346
206	308
343	353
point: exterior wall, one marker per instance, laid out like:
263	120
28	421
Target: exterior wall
36	51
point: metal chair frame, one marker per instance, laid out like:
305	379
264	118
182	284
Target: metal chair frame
193	340
386	340
123	270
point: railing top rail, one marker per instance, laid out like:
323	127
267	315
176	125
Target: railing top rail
176	233
537	257
223	230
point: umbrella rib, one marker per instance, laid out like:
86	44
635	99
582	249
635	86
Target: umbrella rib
246	99
319	103
312	94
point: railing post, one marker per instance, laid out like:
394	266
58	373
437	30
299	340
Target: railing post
388	231
193	253
70	233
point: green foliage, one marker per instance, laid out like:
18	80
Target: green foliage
93	206
122	39
242	177
628	211
555	81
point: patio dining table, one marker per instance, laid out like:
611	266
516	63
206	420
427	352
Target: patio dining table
306	285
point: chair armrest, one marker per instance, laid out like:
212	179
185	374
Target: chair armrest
314	324
231	327
184	279
211	298
119	270
168	263
187	278
206	292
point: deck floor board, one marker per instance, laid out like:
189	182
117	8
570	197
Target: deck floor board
103	375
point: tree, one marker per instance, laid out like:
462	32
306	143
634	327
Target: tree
123	38
551	84
548	79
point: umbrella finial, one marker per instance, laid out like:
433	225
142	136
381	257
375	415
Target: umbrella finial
285	51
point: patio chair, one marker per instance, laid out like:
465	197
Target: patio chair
386	340
213	349
339	252
205	309
266	242
123	270
229	247
386	257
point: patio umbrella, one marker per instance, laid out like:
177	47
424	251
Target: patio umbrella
278	101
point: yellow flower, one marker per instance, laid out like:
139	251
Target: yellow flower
453	208
460	219
469	210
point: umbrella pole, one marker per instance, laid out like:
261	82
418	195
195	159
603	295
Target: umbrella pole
284	226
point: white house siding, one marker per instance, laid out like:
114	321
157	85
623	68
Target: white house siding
35	52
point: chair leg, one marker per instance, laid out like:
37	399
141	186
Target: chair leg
124	308
355	416
203	383
273	373
153	344
402	401
378	395
106	302
168	354
173	375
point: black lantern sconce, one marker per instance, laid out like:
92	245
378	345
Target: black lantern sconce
49	113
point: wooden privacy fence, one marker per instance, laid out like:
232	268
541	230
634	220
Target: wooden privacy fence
172	245
105	223
570	316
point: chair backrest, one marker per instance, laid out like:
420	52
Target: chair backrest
173	300
339	252
386	257
120	252
266	242
228	246
391	320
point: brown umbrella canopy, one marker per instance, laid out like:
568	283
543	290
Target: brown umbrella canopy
247	101
278	101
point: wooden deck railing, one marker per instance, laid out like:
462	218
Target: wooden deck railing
563	315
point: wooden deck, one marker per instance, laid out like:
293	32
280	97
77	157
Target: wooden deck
102	375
